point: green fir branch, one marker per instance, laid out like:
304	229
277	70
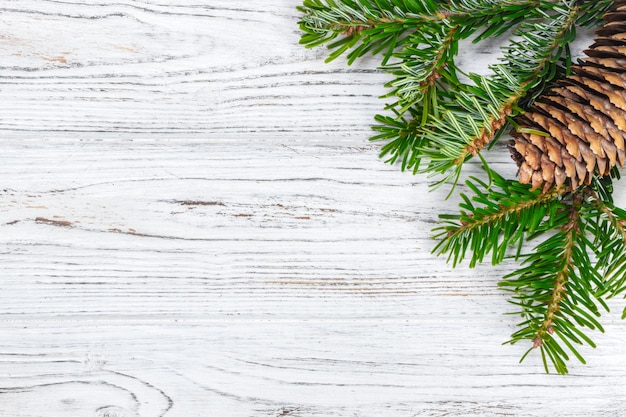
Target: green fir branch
402	136
436	123
377	25
557	290
484	109
364	25
592	12
427	57
496	218
565	279
607	224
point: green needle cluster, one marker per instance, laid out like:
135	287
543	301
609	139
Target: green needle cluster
570	244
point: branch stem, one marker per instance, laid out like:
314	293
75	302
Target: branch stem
559	291
506	210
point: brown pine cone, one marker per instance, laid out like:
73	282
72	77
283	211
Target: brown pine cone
578	129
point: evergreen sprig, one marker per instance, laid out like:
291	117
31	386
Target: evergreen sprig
497	217
557	292
570	243
363	26
528	62
567	278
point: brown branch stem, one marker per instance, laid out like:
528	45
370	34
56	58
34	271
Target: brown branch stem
541	198
559	291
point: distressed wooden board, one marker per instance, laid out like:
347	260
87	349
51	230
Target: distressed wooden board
192	223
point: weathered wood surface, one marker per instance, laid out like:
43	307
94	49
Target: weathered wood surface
192	223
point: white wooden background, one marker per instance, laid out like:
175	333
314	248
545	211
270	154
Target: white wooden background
193	223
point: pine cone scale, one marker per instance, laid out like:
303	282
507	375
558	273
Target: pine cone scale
562	133
600	122
576	126
601	73
602	105
605	89
616	64
569	164
553	150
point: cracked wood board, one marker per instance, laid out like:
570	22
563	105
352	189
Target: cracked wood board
194	224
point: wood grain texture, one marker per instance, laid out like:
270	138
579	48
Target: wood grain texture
192	223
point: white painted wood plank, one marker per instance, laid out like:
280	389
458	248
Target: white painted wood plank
143	67
192	223
211	290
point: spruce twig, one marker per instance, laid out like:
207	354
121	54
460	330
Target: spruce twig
437	121
553	293
527	63
499	216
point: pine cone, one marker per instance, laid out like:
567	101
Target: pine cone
578	129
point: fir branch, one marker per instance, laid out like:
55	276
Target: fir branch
527	63
462	132
593	11
437	119
558	290
496	218
402	136
607	224
427	57
429	52
495	16
616	218
376	25
559	287
366	25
